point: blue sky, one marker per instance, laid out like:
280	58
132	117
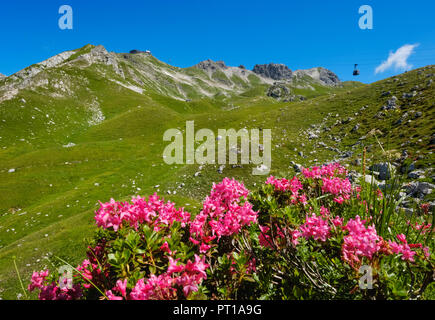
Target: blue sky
300	34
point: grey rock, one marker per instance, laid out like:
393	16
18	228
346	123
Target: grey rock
355	128
409	95
379	115
273	71
312	135
294	97
402	118
297	167
335	138
334	149
384	169
354	176
425	187
391	104
210	65
357	162
324	76
278	91
346	154
322	144
418	189
409	168
416	174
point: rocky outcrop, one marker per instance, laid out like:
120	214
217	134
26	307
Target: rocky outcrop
391	104
210	65
99	54
273	71
2	76
418	189
323	76
278	91
283	93
282	72
383	170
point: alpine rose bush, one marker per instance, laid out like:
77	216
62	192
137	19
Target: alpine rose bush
304	237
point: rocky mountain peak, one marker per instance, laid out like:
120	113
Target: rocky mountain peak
211	66
99	54
323	75
273	70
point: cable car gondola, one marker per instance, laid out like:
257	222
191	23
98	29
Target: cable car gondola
355	70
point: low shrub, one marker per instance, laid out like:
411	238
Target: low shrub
314	236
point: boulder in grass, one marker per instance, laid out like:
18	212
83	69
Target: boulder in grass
416	174
384	170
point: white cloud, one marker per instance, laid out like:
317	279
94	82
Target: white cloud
398	59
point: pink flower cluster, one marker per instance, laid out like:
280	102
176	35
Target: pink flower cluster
224	213
402	248
293	185
163	287
153	212
154	288
315	227
361	241
341	188
326	171
121	287
37	280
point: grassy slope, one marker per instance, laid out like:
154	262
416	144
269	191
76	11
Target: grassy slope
46	206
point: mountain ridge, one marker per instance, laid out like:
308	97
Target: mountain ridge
142	70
